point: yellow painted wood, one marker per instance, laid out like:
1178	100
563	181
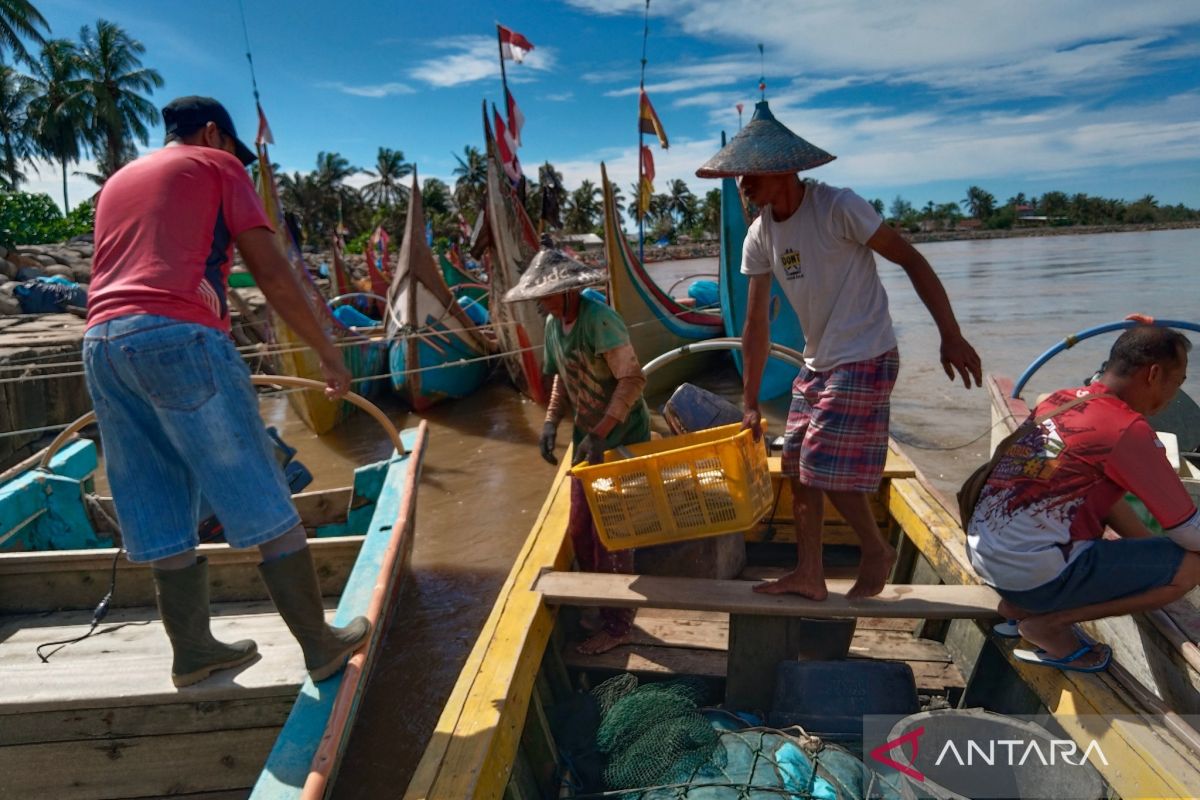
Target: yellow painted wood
1145	760
471	751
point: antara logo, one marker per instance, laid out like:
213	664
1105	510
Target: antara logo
989	752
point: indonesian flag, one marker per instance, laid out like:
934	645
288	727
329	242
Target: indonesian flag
513	45
508	149
516	120
264	130
648	121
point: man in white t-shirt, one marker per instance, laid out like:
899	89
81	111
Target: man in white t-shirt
819	244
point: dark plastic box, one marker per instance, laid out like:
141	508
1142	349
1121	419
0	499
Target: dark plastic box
829	698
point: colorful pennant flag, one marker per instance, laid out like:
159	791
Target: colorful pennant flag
379	242
508	149
648	121
516	120
646	187
264	130
513	45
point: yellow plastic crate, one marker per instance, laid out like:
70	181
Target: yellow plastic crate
699	484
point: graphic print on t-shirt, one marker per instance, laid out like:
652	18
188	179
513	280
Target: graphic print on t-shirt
791	264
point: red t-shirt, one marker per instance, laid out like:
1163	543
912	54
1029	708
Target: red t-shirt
165	228
1051	491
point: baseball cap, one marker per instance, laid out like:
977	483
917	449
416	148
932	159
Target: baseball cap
185	115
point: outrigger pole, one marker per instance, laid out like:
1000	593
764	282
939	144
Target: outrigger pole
641	215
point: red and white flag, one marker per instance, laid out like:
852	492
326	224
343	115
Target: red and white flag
516	120
513	45
508	149
264	130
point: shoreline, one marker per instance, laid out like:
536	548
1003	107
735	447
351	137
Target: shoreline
683	252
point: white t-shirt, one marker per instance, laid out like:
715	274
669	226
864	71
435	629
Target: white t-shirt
820	257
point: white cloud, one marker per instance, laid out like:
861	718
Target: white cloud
559	97
474	58
374	90
46	177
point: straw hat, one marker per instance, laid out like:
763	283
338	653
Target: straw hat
764	147
552	271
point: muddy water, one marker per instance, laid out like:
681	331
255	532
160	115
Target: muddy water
484	481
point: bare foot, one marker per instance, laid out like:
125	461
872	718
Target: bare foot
1058	641
873	571
600	642
1010	611
796	582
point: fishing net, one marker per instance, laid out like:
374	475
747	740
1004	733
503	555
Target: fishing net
657	743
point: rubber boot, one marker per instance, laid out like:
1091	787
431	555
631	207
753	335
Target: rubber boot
292	584
183	603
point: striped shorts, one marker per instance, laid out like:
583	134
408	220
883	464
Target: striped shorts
837	426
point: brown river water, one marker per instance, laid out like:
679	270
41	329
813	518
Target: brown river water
484	482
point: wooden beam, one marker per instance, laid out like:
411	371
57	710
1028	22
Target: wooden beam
738	597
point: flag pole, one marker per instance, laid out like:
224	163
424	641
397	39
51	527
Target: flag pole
503	74
641	141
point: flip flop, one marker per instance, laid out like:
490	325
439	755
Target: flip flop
1007	629
1043	659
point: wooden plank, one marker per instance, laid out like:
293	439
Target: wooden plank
77	579
140	766
132	665
757	643
656	661
631	591
115	722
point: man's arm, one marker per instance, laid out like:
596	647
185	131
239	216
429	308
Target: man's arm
956	352
273	275
756	345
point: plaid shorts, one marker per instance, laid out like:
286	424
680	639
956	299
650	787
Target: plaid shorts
837	426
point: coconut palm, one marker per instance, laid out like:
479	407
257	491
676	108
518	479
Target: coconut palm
391	169
980	202
471	173
19	19
16	130
583	207
60	109
678	205
332	169
115	78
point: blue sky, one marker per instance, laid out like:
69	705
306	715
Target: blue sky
918	100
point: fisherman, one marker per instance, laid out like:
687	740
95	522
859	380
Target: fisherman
1037	533
177	414
819	242
594	366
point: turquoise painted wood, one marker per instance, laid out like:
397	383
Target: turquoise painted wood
288	764
44	509
785	326
369	481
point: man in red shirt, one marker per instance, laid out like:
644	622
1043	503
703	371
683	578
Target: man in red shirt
1037	534
178	416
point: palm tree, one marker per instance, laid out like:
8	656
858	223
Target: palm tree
583	208
16	132
59	111
980	202
18	18
618	200
678	206
114	77
332	169
472	178
435	196
391	169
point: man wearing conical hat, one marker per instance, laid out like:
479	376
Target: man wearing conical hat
594	366
819	242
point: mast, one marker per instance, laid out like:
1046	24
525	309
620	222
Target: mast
641	141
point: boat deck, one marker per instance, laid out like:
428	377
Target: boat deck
113	693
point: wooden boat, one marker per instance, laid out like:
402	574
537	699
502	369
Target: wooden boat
435	349
734	287
657	322
364	356
495	736
102	719
520	329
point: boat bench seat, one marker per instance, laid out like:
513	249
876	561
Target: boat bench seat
738	597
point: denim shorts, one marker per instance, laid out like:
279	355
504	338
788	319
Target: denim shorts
179	419
1106	570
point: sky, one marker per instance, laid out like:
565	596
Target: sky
919	100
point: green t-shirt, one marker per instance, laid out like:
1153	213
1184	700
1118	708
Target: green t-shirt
578	358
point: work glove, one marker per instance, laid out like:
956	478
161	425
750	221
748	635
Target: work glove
590	447
547	439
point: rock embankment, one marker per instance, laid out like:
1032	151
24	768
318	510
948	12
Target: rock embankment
71	260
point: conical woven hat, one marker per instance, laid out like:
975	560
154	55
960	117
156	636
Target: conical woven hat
764	147
552	271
